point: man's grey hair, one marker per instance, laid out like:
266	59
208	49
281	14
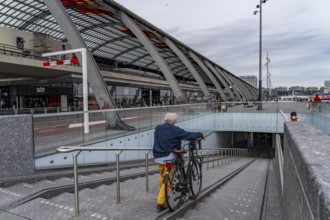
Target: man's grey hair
170	117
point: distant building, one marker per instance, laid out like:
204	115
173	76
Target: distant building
311	90
252	80
297	90
281	89
327	86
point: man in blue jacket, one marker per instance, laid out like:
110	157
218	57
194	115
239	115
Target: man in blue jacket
167	139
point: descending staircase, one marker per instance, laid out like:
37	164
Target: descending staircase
22	192
98	202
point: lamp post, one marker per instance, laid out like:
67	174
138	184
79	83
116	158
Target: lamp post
268	78
260	53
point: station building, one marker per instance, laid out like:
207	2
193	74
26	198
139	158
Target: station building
130	61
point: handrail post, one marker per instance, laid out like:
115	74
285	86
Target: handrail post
76	192
224	156
230	155
118	176
221	153
218	157
147	171
213	158
207	156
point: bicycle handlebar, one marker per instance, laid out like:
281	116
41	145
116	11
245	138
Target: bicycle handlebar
194	142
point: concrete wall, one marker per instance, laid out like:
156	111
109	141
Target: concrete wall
306	173
8	36
217	140
16	146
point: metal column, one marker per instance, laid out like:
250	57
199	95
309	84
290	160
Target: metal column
223	81
188	64
244	91
245	86
227	77
209	74
154	53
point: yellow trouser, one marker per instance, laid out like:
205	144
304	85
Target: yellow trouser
162	171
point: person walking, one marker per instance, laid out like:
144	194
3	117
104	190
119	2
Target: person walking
318	106
168	138
317	98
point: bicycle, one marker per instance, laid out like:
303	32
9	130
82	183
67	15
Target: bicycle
183	181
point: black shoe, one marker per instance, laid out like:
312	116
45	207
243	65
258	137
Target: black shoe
160	208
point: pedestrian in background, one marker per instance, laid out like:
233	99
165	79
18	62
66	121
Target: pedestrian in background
293	117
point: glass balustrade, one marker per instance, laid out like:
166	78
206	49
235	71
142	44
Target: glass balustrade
52	130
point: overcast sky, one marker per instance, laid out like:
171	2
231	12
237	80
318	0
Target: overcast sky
296	34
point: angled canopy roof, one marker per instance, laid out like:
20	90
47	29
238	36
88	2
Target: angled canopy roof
109	40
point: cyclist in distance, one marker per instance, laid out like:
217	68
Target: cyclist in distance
167	139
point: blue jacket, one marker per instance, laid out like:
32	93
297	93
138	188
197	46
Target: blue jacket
168	138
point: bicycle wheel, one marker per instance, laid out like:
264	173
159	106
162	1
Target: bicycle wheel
195	178
173	197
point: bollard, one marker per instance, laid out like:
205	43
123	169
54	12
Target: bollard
147	171
76	191
118	176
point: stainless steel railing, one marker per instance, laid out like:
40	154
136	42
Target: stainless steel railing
228	154
77	150
278	161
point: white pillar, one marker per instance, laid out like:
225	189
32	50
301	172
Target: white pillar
83	52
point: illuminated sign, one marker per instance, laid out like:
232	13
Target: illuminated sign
40	89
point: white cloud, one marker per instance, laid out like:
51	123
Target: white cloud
295	33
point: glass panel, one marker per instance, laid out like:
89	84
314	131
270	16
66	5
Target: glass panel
137	124
54	130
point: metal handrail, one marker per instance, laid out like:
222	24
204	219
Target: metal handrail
279	159
118	151
230	152
282	113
